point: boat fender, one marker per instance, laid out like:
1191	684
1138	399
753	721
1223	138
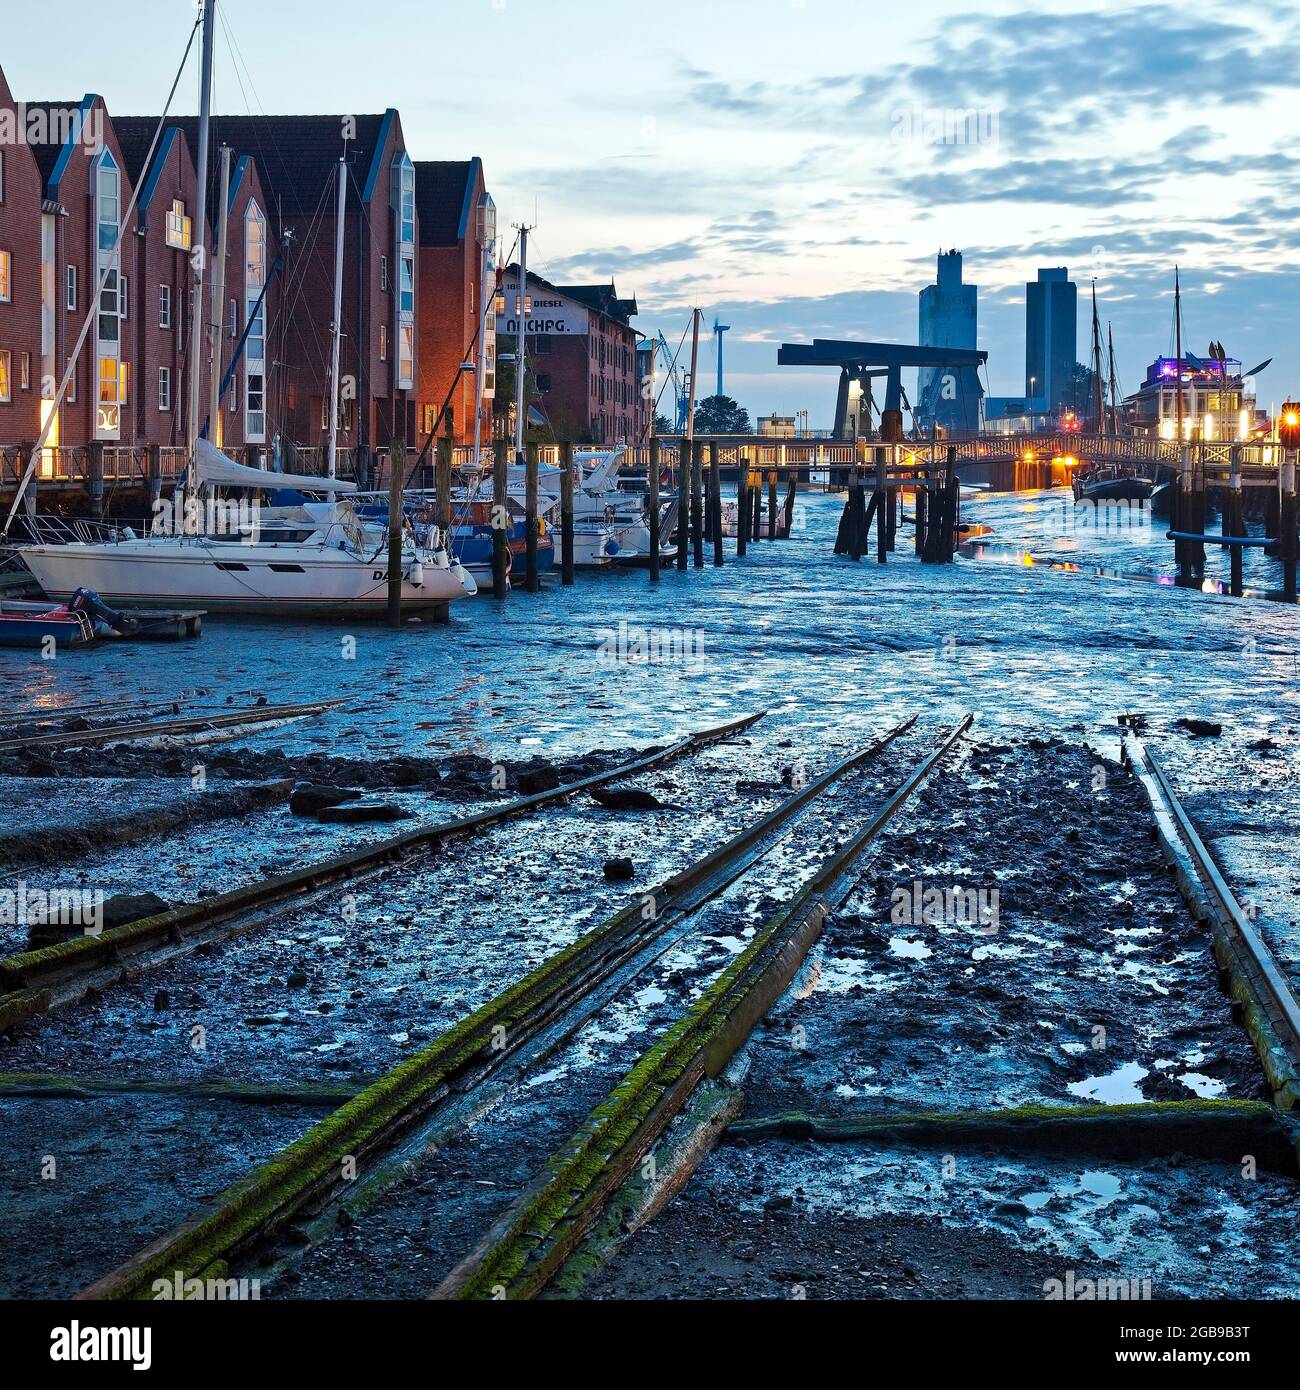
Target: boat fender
611	546
416	574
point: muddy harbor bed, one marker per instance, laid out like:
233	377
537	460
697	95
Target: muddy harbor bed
1046	659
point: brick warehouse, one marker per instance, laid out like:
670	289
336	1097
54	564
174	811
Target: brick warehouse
583	354
297	161
452	200
159	316
20	283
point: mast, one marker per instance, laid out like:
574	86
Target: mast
198	254
1114	385
336	335
1098	405
218	295
522	312
1178	352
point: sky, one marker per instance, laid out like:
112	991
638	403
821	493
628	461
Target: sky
793	167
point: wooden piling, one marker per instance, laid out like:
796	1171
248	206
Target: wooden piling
683	502
1287	523
697	505
789	506
532	580
396	477
566	508
881	506
771	505
756	505
1234	524
500	520
918	506
715	503
652	507
742	503
95	477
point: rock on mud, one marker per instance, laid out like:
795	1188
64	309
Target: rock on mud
354	812
311	798
619	869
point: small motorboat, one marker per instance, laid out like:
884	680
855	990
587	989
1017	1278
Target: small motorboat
60	625
1111	485
86	618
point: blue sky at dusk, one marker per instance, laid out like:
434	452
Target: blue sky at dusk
783	163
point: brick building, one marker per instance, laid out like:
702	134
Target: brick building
163	286
85	191
582	353
297	159
456	216
20	278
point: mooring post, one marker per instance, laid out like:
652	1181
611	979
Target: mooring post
1183	515
566	512
697	504
742	502
683	501
882	523
442	489
500	520
95	477
652	507
1233	522
532	580
919	496
855	516
756	503
1287	522
789	506
396	477
771	505
715	502
155	473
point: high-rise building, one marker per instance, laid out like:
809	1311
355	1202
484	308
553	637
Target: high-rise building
948	396
1051	338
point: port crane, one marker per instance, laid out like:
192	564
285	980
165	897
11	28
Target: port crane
681	384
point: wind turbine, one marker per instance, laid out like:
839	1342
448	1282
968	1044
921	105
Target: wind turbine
718	330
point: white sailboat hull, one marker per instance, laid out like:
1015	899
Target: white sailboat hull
237	578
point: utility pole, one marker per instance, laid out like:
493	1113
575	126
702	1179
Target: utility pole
487	232
521	309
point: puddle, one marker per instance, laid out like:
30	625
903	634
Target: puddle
1114	1088
909	950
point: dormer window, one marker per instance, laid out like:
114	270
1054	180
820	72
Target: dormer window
178	226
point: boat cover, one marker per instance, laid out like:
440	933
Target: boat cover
212	466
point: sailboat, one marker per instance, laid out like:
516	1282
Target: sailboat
318	558
1106	482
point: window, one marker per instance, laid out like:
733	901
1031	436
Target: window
543	382
71	298
110	314
234	392
126	284
383	342
164	306
25	372
6	276
124	382
178	227
110	383
255	405
164	388
403	203
232	319
383	272
6	386
406	300
2	176
108	185
72	386
406	353
406	199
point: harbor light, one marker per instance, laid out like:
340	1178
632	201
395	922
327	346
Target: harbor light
1288	426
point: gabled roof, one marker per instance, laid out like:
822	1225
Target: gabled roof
297	156
444	199
602	298
52	156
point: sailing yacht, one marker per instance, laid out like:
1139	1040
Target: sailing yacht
318	558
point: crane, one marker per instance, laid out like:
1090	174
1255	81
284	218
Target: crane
681	394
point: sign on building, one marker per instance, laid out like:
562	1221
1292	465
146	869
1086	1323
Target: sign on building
548	313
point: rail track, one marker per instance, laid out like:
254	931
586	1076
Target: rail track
436	1092
34	982
1248	968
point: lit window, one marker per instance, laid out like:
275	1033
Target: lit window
178	227
71	299
6	276
124	382
383	342
6	386
110	383
164	306
164	388
406	354
25	372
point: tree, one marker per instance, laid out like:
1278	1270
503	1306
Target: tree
1080	392
662	424
721	415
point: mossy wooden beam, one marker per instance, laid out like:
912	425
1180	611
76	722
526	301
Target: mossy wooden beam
52	1086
